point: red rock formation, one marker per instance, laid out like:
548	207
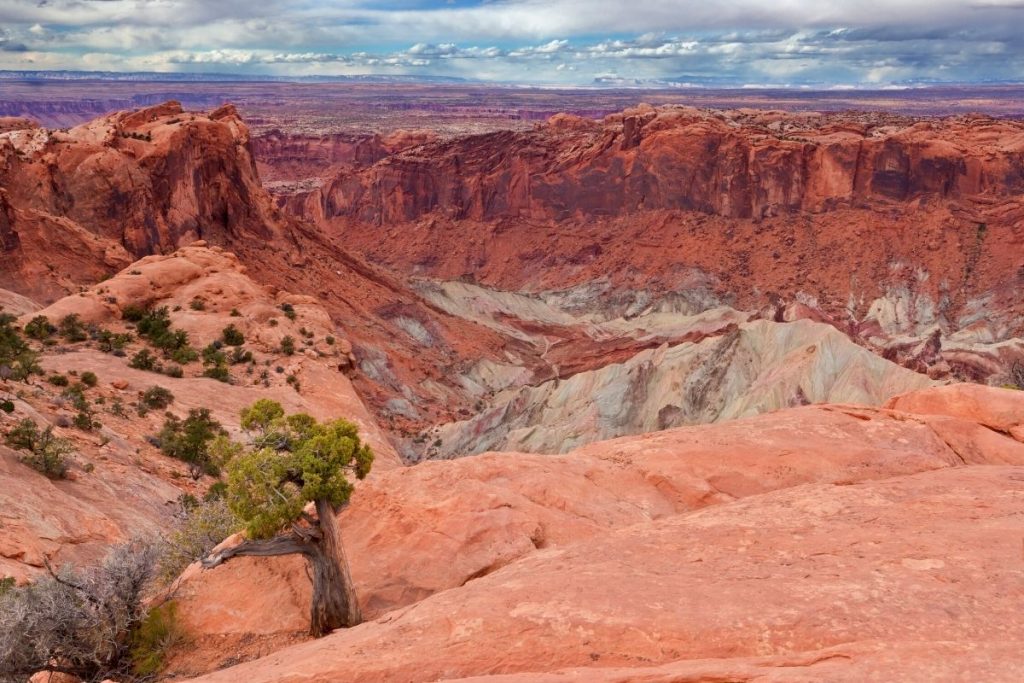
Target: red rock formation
835	528
842	209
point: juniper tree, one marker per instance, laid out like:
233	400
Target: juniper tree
294	461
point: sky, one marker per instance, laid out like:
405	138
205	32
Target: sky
741	43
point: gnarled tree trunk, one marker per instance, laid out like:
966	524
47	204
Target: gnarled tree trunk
334	602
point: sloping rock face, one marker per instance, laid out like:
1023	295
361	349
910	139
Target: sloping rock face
827	542
756	367
145	181
120	485
904	234
732	164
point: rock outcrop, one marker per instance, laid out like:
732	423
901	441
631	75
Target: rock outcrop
120	484
795	537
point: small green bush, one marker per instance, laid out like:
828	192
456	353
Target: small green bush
152	640
7	406
174	371
58	380
40	328
72	329
289	311
143	360
89	379
189	440
46	453
157	397
232	336
197	304
288	345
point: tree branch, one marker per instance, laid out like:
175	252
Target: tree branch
279	545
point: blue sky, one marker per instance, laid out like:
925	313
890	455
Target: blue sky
736	42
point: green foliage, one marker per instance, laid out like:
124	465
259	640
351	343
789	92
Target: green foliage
239	355
201	527
156	397
154	637
109	342
216	363
89	378
232	336
46	453
143	360
7	406
83	420
17	360
235	313
40	328
189	440
6	584
155	326
71	328
58	380
289	311
197	304
288	345
330	340
174	371
269	486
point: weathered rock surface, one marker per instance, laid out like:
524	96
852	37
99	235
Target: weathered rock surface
438	527
753	368
916	562
120	484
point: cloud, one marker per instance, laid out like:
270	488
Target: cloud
558	41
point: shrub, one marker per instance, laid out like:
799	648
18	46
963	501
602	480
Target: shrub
219	373
240	355
1017	375
58	380
83	420
184	355
72	329
7	406
143	360
40	328
201	527
109	342
46	453
89	378
17	360
288	345
197	304
330	340
232	336
156	397
189	440
154	637
77	621
133	313
174	371
235	313
289	311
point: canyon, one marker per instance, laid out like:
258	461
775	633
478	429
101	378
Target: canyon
669	393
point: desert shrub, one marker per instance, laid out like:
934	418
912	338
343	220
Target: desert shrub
156	397
197	304
183	355
154	637
143	360
44	452
232	336
239	355
83	420
201	527
114	343
40	328
288	310
71	328
174	371
216	363
77	621
235	313
17	360
58	380
6	584
1017	375
89	379
330	340
133	313
288	345
7	406
189	440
